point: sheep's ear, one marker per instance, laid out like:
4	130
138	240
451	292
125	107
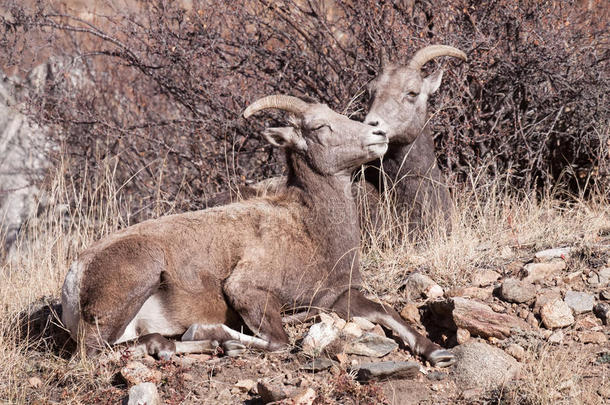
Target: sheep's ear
285	137
432	82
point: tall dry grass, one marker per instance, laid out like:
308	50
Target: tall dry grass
491	228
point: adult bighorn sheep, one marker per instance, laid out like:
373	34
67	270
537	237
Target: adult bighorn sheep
399	96
399	99
200	273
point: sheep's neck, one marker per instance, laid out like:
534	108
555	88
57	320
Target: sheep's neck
330	215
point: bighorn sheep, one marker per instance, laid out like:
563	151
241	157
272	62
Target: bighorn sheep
199	273
399	96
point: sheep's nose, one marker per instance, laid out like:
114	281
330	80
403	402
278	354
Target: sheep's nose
373	123
379	132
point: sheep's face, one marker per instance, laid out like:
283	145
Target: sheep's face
399	97
330	142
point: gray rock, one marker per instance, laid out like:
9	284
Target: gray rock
387	370
556	314
513	290
144	394
271	392
580	302
536	272
419	285
545	296
550	254
600	278
484	278
372	345
602	311
318	364
318	337
480	365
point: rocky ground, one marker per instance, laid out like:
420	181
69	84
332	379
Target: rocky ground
535	331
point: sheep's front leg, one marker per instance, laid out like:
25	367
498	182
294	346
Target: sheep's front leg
258	307
353	303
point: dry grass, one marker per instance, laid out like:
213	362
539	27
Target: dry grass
490	230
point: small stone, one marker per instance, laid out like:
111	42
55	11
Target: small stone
420	285
602	311
550	254
513	290
572	277
341	358
602	279
480	365
471	292
144	394
580	302
598	338
371	345
377	330
136	373
387	370
271	392
363	323
318	337
245	385
485	278
556	337
523	313
436	376
531	320
318	364
516	351
306	396
352	329
556	314
326	318
462	336
536	272
545	296
35	382
410	313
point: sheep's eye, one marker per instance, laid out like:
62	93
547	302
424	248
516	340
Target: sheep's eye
412	94
320	127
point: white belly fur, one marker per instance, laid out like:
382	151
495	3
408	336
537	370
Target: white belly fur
150	319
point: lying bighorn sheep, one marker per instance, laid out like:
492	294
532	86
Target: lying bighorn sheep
399	96
200	272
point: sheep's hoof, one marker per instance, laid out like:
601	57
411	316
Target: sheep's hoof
441	358
233	348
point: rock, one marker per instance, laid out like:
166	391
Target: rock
351	329
462	336
436	376
601	278
478	318
144	394
306	396
543	271
556	337
387	370
326	318
602	311
580	302
136	373
594	337
378	330
572	277
410	313
550	254
371	345
363	323
480	365
35	382
485	278
271	392
556	314
545	296
471	292
318	337
513	290
318	364
420	285
245	385
516	351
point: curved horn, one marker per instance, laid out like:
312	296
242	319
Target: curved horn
433	51
279	101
